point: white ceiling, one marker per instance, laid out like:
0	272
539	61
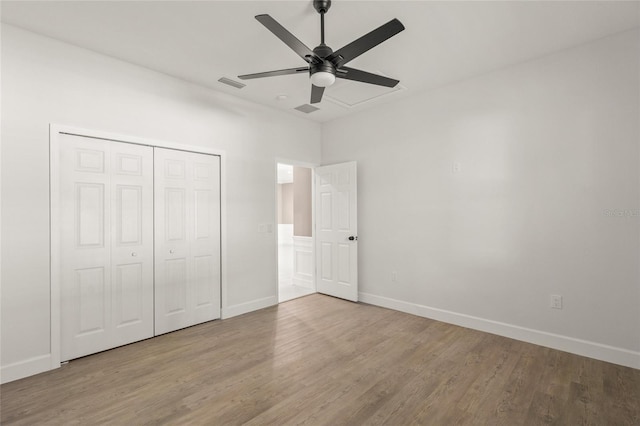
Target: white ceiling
444	41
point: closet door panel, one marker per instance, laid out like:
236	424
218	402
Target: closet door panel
176	286
106	244
129	295
84	246
89	296
132	242
206	242
187	248
171	241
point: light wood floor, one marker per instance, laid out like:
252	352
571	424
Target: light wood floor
319	360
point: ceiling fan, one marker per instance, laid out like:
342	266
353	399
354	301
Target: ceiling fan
325	64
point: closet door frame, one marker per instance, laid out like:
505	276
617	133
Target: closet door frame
55	131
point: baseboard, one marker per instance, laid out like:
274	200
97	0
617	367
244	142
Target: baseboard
25	368
586	348
253	305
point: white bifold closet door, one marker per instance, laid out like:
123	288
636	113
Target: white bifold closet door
106	244
187	239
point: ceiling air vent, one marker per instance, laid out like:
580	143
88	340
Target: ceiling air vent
231	83
306	108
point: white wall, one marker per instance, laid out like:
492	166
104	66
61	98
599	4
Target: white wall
545	149
45	81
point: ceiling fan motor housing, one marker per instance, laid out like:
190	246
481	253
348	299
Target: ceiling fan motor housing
322	51
325	66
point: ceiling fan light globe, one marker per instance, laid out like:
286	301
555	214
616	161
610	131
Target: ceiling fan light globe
323	79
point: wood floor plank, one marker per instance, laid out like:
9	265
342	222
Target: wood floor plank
545	409
482	362
621	387
318	398
518	393
319	360
581	408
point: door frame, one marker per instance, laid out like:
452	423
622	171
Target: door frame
312	166
55	130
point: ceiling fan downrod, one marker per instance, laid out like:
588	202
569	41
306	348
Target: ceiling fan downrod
322	7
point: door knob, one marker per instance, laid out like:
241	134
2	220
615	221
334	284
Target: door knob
353	238
134	254
171	251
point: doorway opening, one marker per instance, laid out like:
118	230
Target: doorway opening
295	232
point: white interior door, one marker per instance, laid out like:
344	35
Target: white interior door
106	244
337	231
187	244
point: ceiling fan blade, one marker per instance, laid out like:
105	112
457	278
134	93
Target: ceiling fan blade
273	73
289	39
366	42
316	94
366	77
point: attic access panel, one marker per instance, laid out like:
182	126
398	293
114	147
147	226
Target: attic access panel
351	94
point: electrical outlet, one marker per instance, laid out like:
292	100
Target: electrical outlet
394	276
556	301
456	167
